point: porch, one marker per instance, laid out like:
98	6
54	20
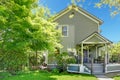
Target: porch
93	56
97	68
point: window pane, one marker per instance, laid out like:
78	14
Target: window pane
64	30
64	33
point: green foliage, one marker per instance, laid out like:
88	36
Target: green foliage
14	38
62	60
115	52
55	71
115	48
114	5
32	59
44	34
117	77
24	27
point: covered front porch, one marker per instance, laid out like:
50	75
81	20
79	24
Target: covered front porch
94	54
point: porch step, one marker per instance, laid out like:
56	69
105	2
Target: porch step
97	68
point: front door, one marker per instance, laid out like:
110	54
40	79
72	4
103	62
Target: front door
85	59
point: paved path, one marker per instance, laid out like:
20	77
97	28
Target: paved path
103	77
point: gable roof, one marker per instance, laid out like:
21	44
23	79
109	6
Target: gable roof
81	11
95	38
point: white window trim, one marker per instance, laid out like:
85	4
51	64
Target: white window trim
67	30
60	28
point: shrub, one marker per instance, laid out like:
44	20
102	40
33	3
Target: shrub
55	71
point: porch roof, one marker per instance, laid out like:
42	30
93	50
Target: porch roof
95	38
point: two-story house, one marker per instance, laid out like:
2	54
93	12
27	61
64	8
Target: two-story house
81	36
81	32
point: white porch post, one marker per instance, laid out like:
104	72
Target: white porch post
105	53
96	53
81	53
106	57
88	54
81	67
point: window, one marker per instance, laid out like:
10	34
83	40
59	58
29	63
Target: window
65	31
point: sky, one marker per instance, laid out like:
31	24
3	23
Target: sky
111	25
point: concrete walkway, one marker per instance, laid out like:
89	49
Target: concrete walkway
103	77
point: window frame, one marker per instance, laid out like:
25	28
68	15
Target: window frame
66	30
59	27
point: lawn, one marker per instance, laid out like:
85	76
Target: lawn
117	78
42	75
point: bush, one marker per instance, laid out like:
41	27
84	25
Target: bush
64	59
55	71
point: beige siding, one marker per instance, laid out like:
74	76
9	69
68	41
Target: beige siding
83	27
79	28
94	39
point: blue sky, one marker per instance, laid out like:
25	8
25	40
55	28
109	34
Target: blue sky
111	26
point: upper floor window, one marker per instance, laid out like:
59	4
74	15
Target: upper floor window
64	31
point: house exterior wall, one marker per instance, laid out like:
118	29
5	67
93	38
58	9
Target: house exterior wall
79	28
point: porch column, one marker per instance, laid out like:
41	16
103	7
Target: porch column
96	52
81	53
88	54
108	56
105	63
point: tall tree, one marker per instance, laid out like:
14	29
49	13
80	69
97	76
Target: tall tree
115	52
114	5
23	27
44	33
14	36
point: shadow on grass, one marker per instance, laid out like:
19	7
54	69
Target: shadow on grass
44	75
34	75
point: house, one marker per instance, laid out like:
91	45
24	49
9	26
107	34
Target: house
81	33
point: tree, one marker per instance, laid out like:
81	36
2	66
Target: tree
115	52
24	26
114	5
44	33
14	37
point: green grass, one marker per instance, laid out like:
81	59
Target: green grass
42	75
117	78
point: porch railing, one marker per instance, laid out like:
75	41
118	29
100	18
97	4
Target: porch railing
78	68
112	68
